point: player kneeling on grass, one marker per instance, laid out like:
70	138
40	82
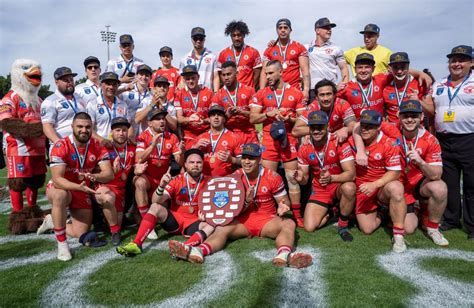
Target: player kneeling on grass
421	155
377	183
182	216
73	158
266	203
332	165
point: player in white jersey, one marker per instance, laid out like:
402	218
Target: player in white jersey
90	89
125	66
204	59
58	109
107	107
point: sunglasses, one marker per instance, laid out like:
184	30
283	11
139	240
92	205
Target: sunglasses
125	45
198	38
93	67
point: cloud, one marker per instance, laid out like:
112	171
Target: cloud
64	33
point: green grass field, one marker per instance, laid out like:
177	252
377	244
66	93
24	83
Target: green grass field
343	274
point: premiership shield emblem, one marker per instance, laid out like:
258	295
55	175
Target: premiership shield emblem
222	200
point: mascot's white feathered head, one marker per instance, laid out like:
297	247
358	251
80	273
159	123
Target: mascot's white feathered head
26	80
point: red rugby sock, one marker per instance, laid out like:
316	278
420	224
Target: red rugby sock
197	238
31	196
114	228
431	225
143	209
60	234
206	249
343	221
16	198
398	231
146	226
283	248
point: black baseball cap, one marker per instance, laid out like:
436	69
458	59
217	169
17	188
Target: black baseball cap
324	22
144	67
365	57
166	49
216	109
193	151
318	117
371	28
370	117
109	76
189	69
399	57
196	31
284	21
251	149
278	132
126	39
461	50
155	112
410	106
63	71
119	121
91	59
161	79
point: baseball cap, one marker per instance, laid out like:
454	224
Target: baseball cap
399	57
91	59
63	71
318	117
410	106
284	21
216	109
251	149
198	31
90	239
189	69
161	79
371	117
154	112
144	67
165	49
461	50
109	76
126	39
193	151
324	22
371	28
119	121
365	57
278	132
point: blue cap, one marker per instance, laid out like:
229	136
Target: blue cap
109	76
251	149
156	111
324	22
126	39
371	28
63	71
189	69
399	57
278	133
370	117
365	57
318	117
284	21
461	50
119	121
410	106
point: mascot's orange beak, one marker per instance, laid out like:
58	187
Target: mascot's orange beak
33	76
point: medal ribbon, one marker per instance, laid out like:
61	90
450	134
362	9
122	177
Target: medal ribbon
405	146
237	59
74	108
279	98
123	165
321	160
400	99
195	100
192	195
452	96
235	96
81	159
200	59
215	143
260	172
283	53
366	95
114	108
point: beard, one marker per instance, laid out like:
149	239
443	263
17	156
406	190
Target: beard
194	173
82	138
67	91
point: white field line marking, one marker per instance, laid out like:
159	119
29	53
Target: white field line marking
39	258
436	290
66	290
300	287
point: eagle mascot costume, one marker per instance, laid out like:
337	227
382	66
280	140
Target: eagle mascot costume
25	144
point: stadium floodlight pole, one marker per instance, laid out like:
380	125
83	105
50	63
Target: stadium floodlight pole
108	37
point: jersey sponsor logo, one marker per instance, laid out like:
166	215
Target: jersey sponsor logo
186	99
376	88
246	57
310	49
291	98
131	154
23	105
378	156
182	191
335	117
221	198
73	157
312	156
168	146
92	157
207	60
355	93
43	112
243	96
229	58
225	143
439	91
269	96
113	155
275	53
87	90
131	96
293	52
65	105
190	61
119	66
391	96
329	51
121	110
264	189
101	110
173	75
20	167
225	99
204	98
469	89
332	153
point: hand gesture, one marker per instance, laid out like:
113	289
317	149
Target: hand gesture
201	216
140	168
271	43
249	194
116	165
282	208
362	158
414	156
166	178
224	156
341	135
368	188
341	86
182	146
154	140
273	113
84	188
201	144
325	177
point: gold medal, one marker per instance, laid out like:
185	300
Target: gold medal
212	160
285	66
191	209
123	176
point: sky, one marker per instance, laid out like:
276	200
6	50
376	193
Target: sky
64	33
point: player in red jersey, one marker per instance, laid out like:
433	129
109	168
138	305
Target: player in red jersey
154	149
404	87
292	55
421	155
378	181
246	58
341	117
73	162
221	146
277	107
266	203
235	98
333	169
192	105
182	216
168	71
20	119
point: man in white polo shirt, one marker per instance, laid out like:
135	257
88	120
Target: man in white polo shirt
203	59
59	108
90	89
325	58
125	66
107	107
